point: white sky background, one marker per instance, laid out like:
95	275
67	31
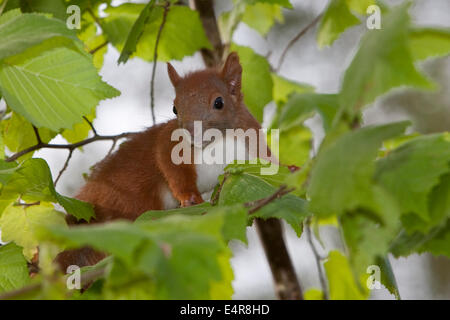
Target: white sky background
418	277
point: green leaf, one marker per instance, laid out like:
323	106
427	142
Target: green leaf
196	210
360	6
7	169
235	217
243	188
341	179
370	229
341	280
32	181
257	170
47	89
412	170
283	88
283	3
300	107
182	35
313	294
294	145
136	32
13	268
94	42
382	62
26	30
80	131
262	16
18	134
179	257
426	43
337	19
257	82
387	276
55	7
20	224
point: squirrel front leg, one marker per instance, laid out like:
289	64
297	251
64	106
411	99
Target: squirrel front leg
181	178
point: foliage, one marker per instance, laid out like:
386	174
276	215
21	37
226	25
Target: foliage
386	191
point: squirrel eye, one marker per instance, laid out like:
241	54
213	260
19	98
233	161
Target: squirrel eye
218	103
174	110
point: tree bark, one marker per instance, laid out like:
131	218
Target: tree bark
270	231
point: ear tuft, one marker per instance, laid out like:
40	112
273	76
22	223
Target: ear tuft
232	73
173	75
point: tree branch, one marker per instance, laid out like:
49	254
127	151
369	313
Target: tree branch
295	39
71	146
205	8
318	259
66	164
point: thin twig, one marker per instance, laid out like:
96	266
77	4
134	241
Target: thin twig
66	164
112	148
295	39
104	44
318	258
155	57
91	125
26	205
219	190
3	6
38	137
71	146
256	205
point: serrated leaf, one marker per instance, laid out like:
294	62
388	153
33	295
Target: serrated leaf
294	145
257	170
283	3
55	7
341	280
13	268
178	255
300	107
341	178
426	43
262	16
412	170
18	134
337	19
95	43
47	89
242	188
32	181
257	82
360	6
383	62
26	30
182	35
136	32
370	229
20	224
283	88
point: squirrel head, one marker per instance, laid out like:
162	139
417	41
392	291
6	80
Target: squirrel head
212	96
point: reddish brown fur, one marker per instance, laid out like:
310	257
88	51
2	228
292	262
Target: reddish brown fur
131	181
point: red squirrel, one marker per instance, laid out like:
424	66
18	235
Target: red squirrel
141	175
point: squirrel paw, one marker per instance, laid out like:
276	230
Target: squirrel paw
191	199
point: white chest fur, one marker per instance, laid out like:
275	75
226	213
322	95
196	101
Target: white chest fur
210	164
212	160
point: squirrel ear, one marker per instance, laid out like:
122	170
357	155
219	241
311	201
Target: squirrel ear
173	75
232	73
